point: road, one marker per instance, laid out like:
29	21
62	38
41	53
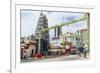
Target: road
60	58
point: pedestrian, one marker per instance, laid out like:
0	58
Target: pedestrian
24	54
85	50
67	47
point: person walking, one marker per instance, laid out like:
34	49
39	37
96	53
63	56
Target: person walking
67	47
85	50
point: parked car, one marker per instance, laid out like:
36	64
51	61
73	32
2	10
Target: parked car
73	50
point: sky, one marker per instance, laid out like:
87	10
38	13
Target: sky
29	21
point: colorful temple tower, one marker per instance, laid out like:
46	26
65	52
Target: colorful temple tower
42	38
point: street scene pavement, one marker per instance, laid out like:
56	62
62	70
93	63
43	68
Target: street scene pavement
57	58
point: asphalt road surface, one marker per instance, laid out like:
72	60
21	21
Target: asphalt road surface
59	58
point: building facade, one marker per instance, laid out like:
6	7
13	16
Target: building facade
82	37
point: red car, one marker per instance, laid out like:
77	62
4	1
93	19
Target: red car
72	50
